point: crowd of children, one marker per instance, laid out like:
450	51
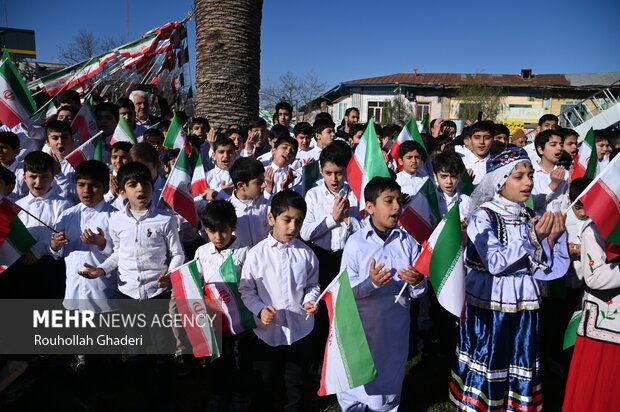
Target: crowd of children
289	237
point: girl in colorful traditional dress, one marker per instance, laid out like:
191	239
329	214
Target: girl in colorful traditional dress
593	383
497	356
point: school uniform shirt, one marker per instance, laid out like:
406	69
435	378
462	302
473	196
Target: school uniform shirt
574	227
279	174
544	198
30	139
601	164
145	246
385	322
472	161
285	276
217	176
319	226
81	292
411	183
266	158
252	224
446	201
48	209
211	259
66	182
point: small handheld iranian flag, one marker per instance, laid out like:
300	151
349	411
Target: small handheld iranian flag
186	286
586	160
570	335
421	214
224	299
16	103
90	150
199	177
85	122
311	173
176	138
177	192
46	112
348	362
367	162
409	132
15	239
123	132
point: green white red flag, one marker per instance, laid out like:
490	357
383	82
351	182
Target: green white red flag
367	162
187	289
176	137
123	132
310	172
199	177
347	362
146	44
586	159
75	75
409	132
421	214
15	239
16	103
92	149
442	260
177	192
85	122
46	112
223	298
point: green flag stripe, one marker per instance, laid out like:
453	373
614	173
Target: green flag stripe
374	163
19	237
311	174
593	161
350	334
429	191
447	249
18	87
229	275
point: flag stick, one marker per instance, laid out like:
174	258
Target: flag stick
402	290
30	214
316	302
596	179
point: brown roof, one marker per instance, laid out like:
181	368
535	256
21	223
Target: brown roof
454	79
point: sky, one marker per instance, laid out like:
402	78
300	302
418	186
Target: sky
348	40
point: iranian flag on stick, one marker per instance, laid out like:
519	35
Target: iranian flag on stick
586	160
409	132
223	298
367	162
92	149
15	239
177	192
347	362
139	47
199	177
176	138
123	132
421	214
442	260
73	76
85	122
16	103
601	201
187	289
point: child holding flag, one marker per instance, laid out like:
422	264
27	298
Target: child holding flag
497	363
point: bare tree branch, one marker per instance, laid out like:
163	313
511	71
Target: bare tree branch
84	46
293	89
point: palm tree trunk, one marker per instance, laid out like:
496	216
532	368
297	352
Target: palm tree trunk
227	60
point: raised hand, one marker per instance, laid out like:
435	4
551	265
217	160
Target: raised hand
91	272
378	275
410	276
58	241
91	238
543	225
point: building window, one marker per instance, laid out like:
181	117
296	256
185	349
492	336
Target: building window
519	106
374	111
421	110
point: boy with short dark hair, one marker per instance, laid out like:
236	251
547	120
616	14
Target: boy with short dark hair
603	149
7	183
475	159
146	154
550	180
501	133
9	149
324	135
60	141
224	156
107	116
379	260
280	175
277	132
448	169
570	141
356	131
119	156
303	134
279	285
251	206
411	156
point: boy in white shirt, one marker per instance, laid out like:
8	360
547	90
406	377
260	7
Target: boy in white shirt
41	207
476	157
119	156
550	180
9	149
280	284
411	156
60	140
379	259
324	135
281	173
303	134
251	206
224	156
277	132
448	169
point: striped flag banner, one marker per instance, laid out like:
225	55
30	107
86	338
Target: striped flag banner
75	75
175	137
570	335
144	45
442	260
90	150
177	192
421	214
223	298
15	239
409	132
16	103
46	112
123	132
187	289
199	177
348	362
367	162
586	160
85	122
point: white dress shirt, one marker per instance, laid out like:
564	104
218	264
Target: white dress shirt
217	176
211	259
252	224
411	183
319	225
80	292
544	198
285	276
144	248
472	161
446	201
66	181
266	158
48	209
279	174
